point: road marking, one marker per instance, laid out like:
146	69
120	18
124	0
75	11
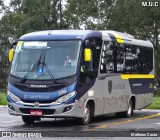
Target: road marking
4	122
123	122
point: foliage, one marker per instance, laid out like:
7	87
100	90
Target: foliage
93	14
24	16
155	103
3	98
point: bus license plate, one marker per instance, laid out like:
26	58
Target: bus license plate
36	112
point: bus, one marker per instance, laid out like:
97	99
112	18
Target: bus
79	74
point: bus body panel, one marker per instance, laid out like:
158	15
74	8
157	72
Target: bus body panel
109	91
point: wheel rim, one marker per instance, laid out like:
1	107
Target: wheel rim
130	109
86	114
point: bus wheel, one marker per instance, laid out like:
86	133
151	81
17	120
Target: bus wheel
128	113
86	115
28	119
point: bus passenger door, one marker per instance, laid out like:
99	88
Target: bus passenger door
89	71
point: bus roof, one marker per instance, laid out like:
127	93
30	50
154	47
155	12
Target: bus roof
107	35
125	38
60	34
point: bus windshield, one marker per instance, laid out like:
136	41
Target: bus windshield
60	59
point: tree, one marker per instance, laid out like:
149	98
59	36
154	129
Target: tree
4	43
142	22
24	16
93	14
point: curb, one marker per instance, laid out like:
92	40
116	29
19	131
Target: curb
3	106
155	110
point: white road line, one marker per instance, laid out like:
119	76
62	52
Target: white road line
5	122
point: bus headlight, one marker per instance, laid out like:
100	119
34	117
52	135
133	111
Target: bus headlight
66	97
13	97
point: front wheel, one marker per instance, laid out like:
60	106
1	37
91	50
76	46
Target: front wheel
86	115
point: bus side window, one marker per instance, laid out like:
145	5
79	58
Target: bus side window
106	58
112	58
128	57
136	65
125	58
116	58
145	60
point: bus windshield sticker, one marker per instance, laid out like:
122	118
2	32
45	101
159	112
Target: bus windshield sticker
36	44
19	43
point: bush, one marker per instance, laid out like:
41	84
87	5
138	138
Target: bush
3	98
155	103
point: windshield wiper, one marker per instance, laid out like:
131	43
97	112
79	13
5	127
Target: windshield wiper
50	73
37	64
32	69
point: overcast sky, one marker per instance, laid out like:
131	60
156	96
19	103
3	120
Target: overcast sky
6	2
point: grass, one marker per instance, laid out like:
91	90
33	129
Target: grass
155	103
3	98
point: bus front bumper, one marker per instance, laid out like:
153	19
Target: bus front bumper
48	110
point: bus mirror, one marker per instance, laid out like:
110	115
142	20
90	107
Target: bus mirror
87	55
11	54
13	45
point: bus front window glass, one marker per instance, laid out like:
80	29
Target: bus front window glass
60	57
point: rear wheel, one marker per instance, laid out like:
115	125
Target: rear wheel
128	113
86	115
29	119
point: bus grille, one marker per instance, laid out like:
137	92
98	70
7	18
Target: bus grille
49	89
40	101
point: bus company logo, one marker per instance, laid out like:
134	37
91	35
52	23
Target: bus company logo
38	86
110	86
36	104
36	96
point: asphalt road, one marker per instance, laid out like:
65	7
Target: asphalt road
143	122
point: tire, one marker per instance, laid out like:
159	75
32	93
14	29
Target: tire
128	113
28	119
87	116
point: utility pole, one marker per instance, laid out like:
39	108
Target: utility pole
60	8
156	35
